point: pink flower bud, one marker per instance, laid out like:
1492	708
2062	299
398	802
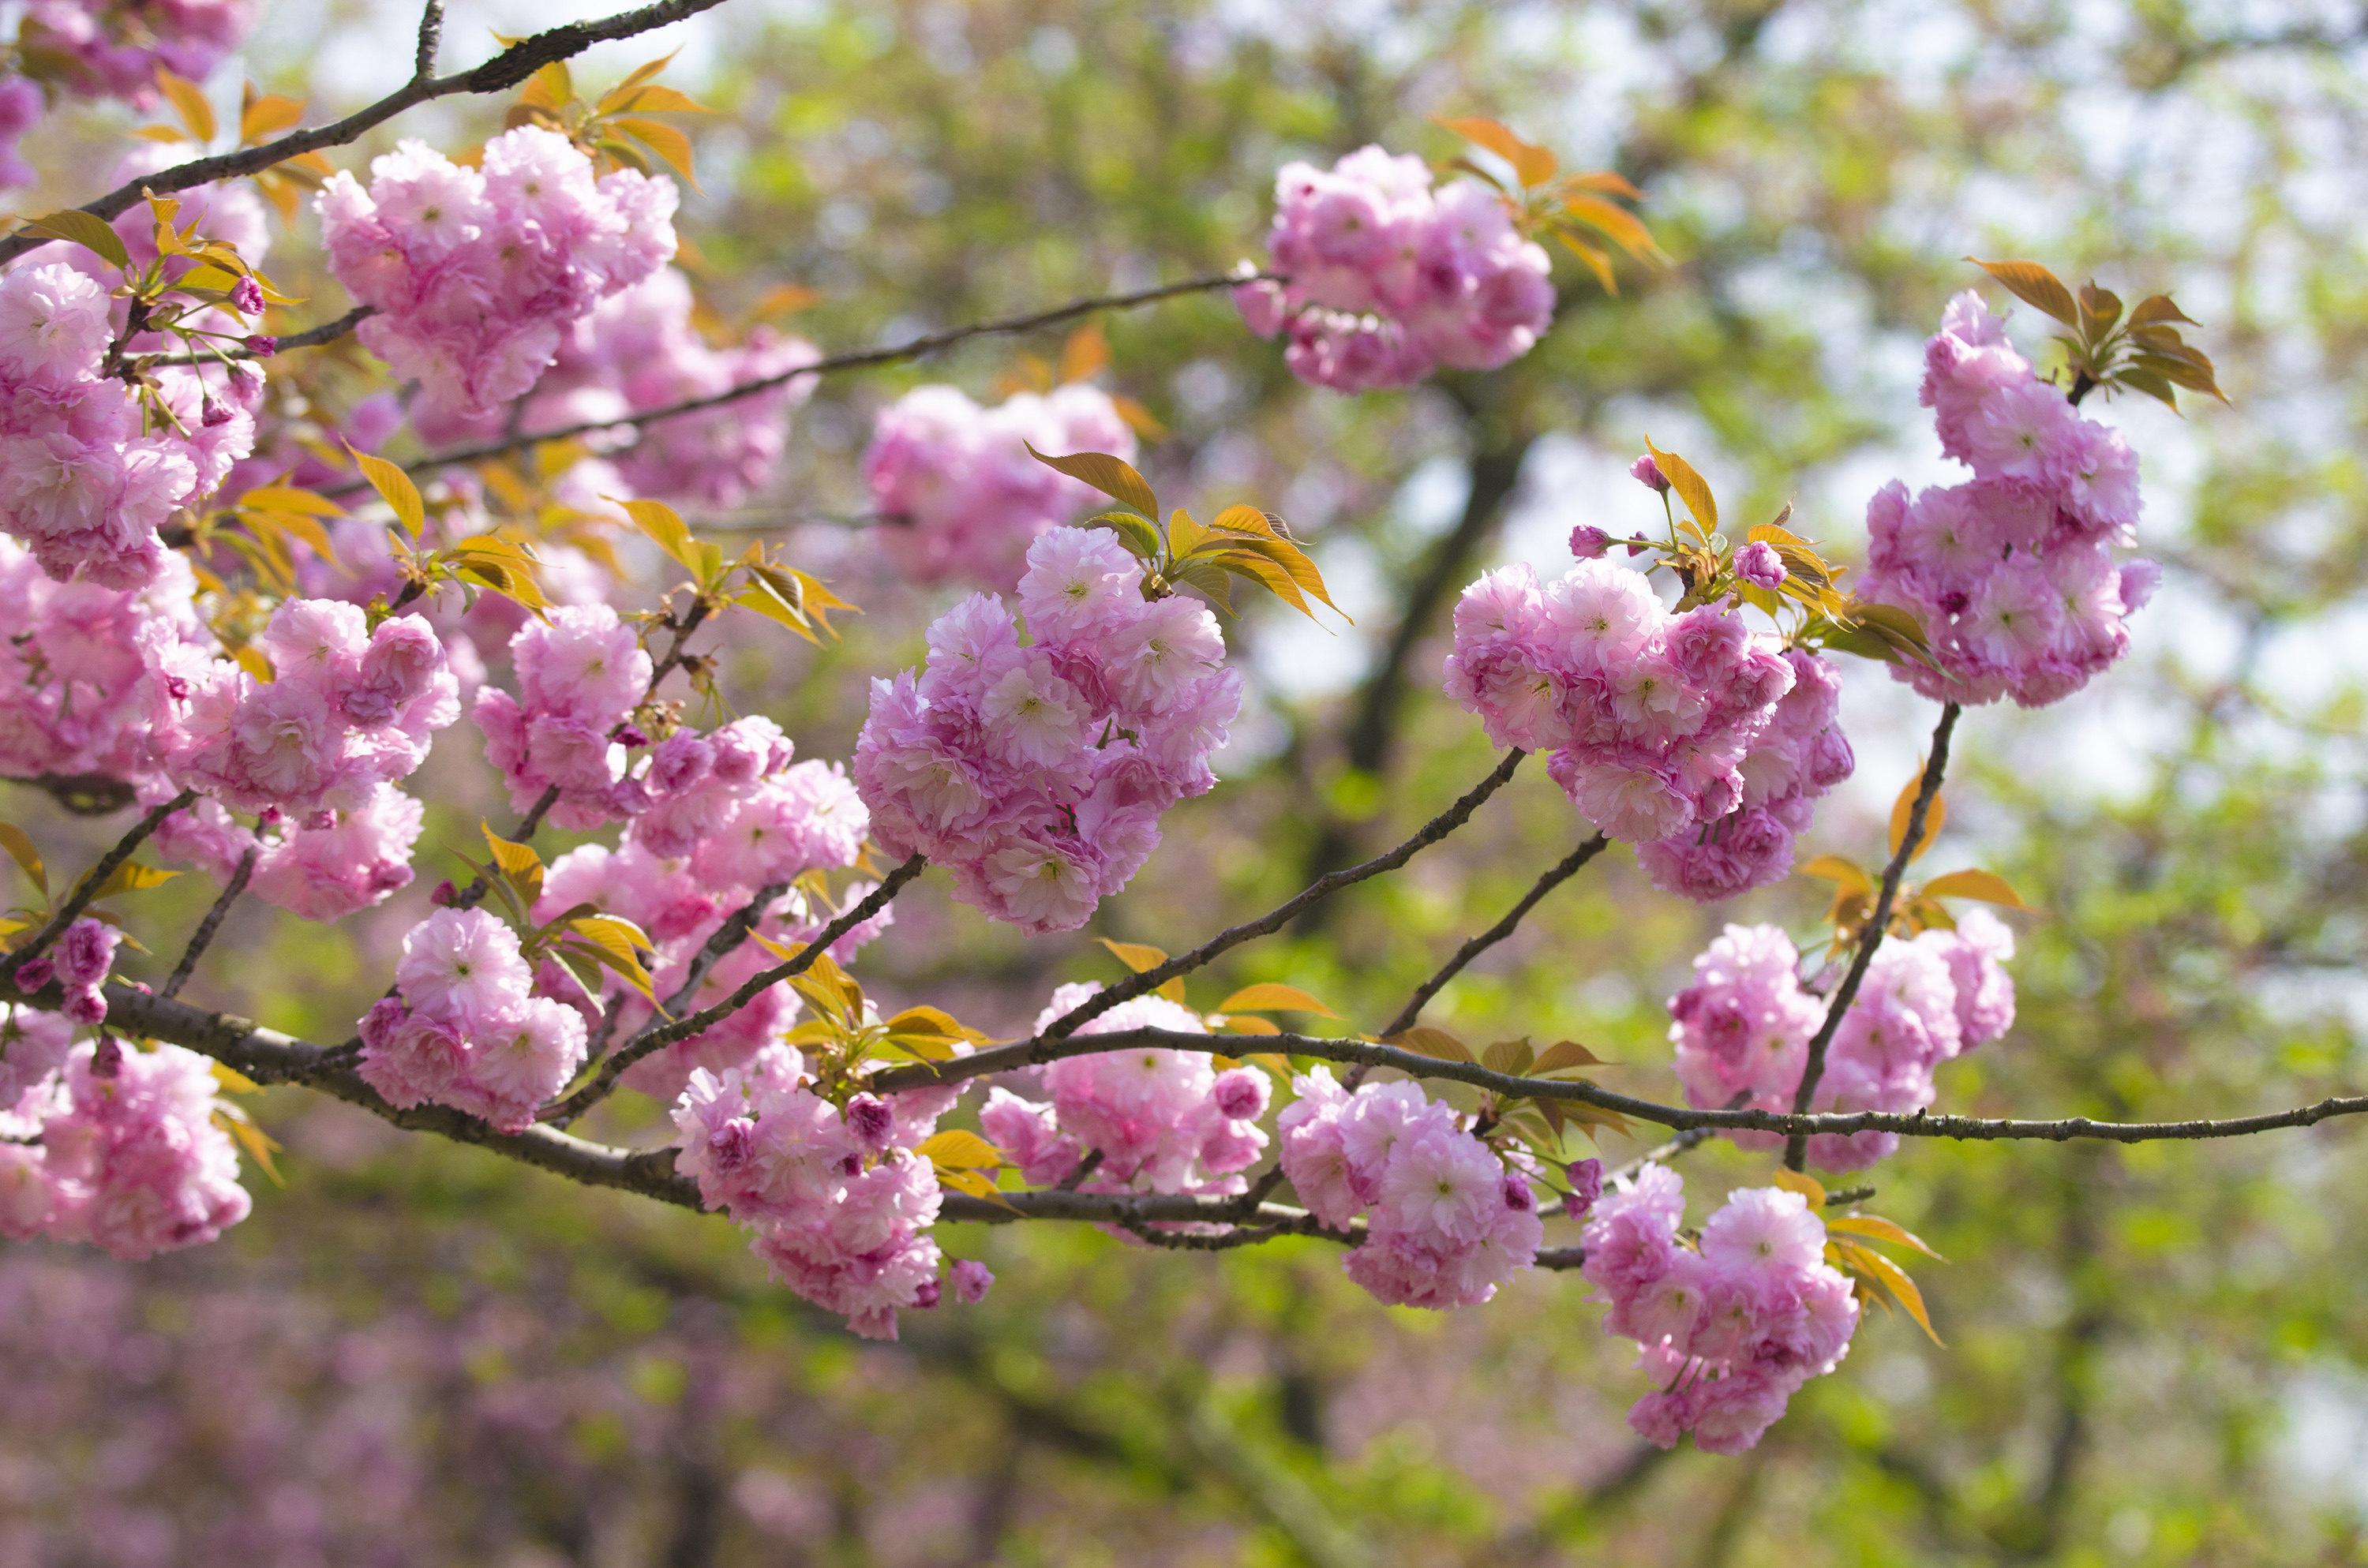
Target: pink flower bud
1647	472
871	1120
262	344
444	893
1759	564
1517	1195
246	297
86	1007
971	1280
1240	1094
925	1294
107	1059
34	973
1589	542
1586	1186
85	953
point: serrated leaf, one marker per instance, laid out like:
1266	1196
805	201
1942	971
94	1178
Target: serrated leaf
1905	807
1135	955
1834	869
2099	309
190	102
1141	538
1565	1056
394	488
1894	1280
2146	382
1510	1057
81	228
667	141
2159	308
1425	1041
1803	1183
1691	486
1987	886
1269	996
265	117
2034	285
1111	476
1881	1230
19	845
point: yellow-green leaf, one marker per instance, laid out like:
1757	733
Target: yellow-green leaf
190	102
664	525
1905	807
132	877
1111	476
1987	886
394	487
1893	1278
1805	1185
1135	956
1691	486
1881	1230
1270	998
19	845
288	498
956	1149
1425	1041
2034	285
81	228
258	1145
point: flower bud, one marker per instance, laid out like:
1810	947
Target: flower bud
1759	564
246	297
1589	542
871	1120
34	973
971	1280
1586	1186
1647	472
107	1060
262	344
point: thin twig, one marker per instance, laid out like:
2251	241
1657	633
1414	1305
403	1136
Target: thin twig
500	73
720	944
658	1036
862	358
312	337
86	888
1796	1147
1274	919
203	937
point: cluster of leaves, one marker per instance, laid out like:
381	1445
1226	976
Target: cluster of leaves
261	116
1874	1278
1242	541
616	131
1575	208
1543	1123
579	938
2140	350
756	580
1917	906
1810	607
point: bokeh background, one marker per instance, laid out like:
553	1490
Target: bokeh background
415	1353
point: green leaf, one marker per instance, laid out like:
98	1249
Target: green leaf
1141	538
81	228
2034	285
19	845
394	487
1111	476
1268	996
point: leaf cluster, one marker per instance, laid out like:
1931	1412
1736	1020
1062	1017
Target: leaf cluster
2140	350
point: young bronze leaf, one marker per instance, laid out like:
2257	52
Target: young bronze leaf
1987	886
1532	165
1626	230
2034	285
1085	354
2159	308
1111	476
664	140
1268	997
2099	309
1565	1056
1135	956
1425	1041
1691	487
19	845
1265	573
1510	1057
1905	807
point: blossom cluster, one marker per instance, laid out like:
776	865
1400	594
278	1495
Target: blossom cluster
87	473
1729	1330
1744	1026
836	1201
637	350
108	1146
1445	1221
1671	731
2012	574
581	672
347	709
79	962
479	273
1386	280
1036	773
464	1029
960	495
721	815
112	47
1162	1120
1792	763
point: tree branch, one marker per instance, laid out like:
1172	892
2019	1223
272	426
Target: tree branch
500	73
311	337
658	1036
203	937
1275	919
1556	876
83	891
1796	1147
